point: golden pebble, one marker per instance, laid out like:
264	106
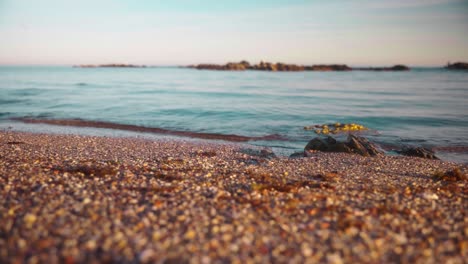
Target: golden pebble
190	234
30	219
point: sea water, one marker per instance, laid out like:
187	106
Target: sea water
422	107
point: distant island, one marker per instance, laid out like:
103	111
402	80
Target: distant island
279	66
457	66
268	66
394	68
112	65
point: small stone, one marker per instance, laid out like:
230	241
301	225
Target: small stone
30	219
334	259
430	196
90	245
306	250
156	236
147	255
296	155
190	234
400	239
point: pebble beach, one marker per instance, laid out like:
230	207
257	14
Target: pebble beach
84	199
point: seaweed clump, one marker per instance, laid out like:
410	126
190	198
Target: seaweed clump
335	128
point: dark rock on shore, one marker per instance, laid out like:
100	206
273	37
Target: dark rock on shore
327	145
362	146
354	144
458	66
398	67
267	154
418	152
297	155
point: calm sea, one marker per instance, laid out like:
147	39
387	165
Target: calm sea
422	107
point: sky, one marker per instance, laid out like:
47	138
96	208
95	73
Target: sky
181	32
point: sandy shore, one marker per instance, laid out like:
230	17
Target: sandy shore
80	199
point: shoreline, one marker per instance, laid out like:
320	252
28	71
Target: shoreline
121	130
154	130
82	199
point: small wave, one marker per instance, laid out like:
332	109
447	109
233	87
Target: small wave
451	149
5	114
60	106
28	92
445	149
134	128
383	121
413	140
275	146
81	84
11	101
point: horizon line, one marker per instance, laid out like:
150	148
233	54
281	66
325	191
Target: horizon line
183	65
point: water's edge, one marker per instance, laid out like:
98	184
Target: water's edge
156	130
97	127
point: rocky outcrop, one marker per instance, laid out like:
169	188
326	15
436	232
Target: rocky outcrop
265	66
231	66
330	67
354	144
398	67
227	67
458	66
268	66
362	146
289	67
114	65
418	152
235	67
